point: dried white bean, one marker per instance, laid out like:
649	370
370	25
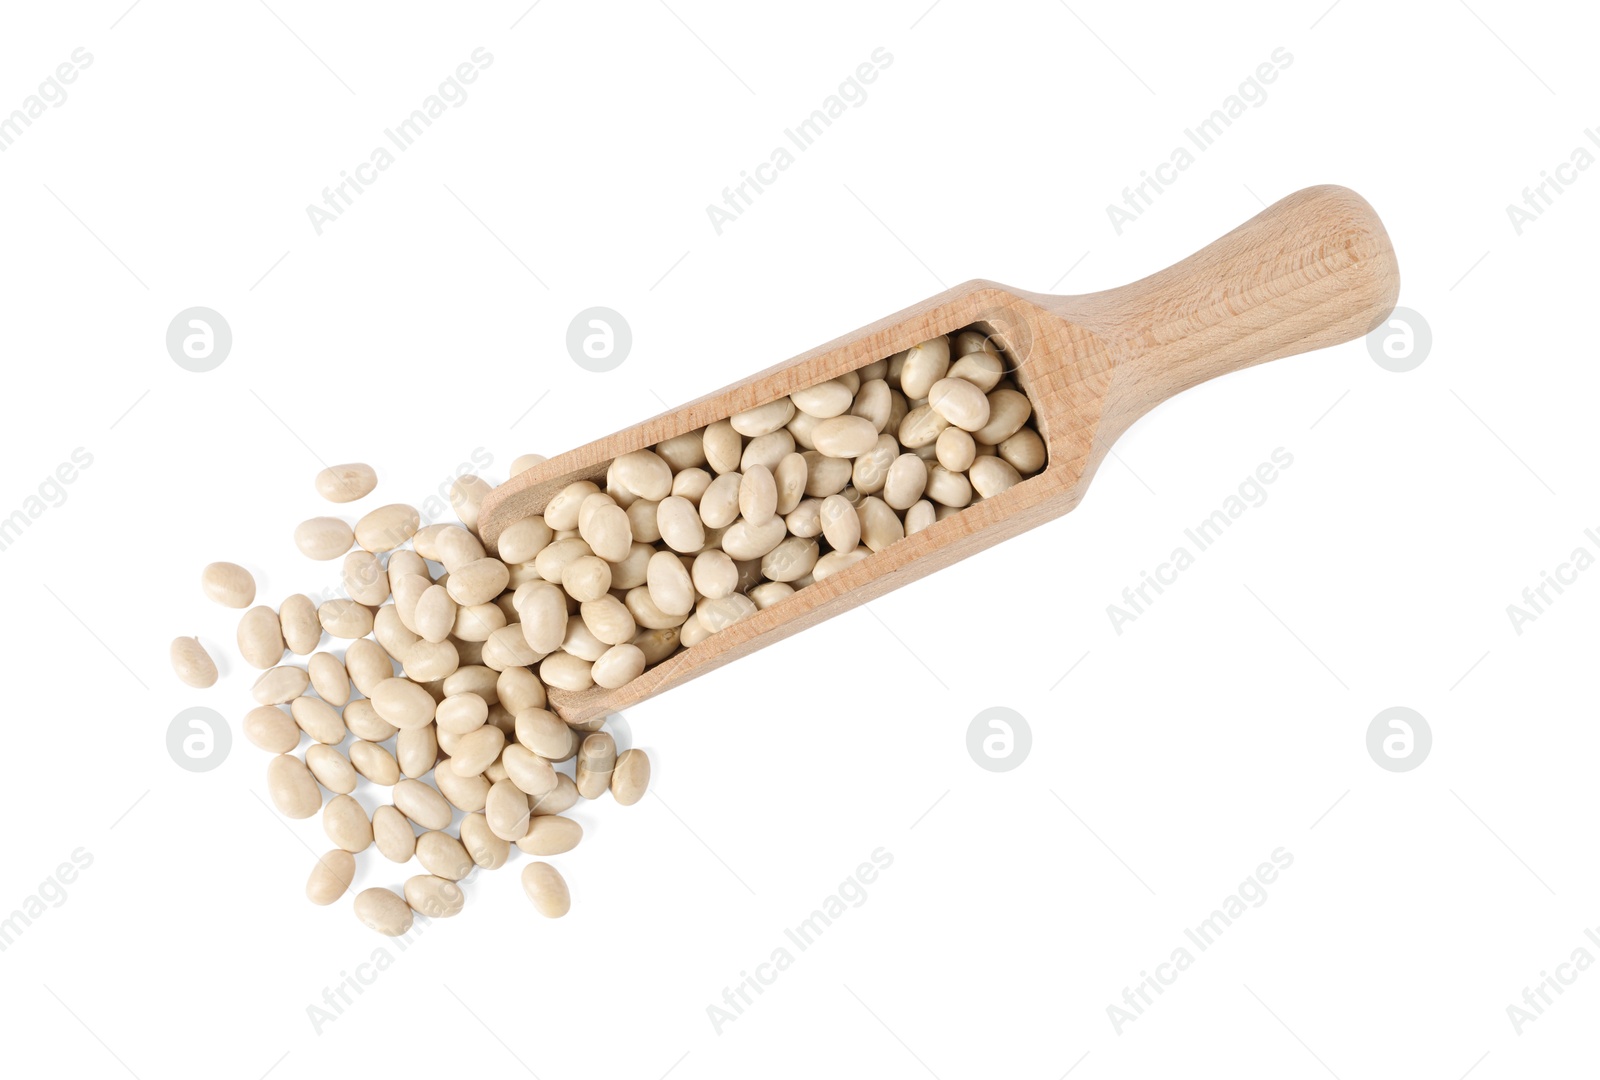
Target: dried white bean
992	475
719	503
228	584
323	538
746	540
630	777
959	402
260	637
546	889
723	445
1008	411
331	876
761	420
387	527
758	495
924	365
680	524
192	664
346	483
384	911
845	436
841	526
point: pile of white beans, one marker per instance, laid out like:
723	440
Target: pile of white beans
685	539
418	689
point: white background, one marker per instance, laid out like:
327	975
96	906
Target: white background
1228	721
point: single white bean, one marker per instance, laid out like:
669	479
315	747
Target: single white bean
906	480
824	400
845	436
761	420
228	584
566	672
767	450
723	445
260	637
618	666
670	585
719	503
323	538
1024	450
746	540
331	876
791	560
387	527
948	488
680	524
919	517
630	777
384	911
955	449
758	495
346	483
522	540
645	473
924	365
433	896
561	512
680	452
714	574
983	369
192	664
841	526
1008	411
880	525
587	577
546	890
959	402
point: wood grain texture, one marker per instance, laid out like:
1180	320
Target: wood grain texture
1312	270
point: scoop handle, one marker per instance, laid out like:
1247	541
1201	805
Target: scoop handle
1314	269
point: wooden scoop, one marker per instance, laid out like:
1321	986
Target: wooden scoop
1312	270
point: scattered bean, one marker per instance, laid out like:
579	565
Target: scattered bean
346	483
228	584
546	889
331	876
551	834
434	896
393	834
260	637
383	910
346	824
192	664
630	777
271	729
293	789
387	527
